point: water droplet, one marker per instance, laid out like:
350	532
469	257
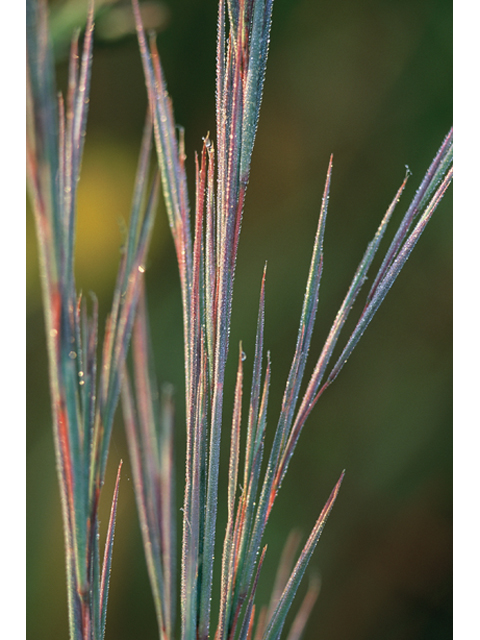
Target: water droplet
244	356
141	268
53	333
81	382
80	374
72	355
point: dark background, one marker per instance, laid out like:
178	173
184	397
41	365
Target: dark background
371	82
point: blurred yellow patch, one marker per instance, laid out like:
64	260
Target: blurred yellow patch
104	201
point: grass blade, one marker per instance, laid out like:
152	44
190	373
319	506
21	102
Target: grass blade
430	182
309	398
277	620
271	477
107	558
439	180
301	619
229	547
149	429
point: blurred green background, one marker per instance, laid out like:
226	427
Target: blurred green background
370	81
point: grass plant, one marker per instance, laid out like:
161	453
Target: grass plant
84	395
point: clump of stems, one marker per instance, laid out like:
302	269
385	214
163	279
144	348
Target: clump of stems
84	396
206	239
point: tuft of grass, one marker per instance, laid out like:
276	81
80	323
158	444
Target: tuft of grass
84	393
206	238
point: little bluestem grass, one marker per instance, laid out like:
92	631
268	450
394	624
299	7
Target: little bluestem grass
83	401
206	238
